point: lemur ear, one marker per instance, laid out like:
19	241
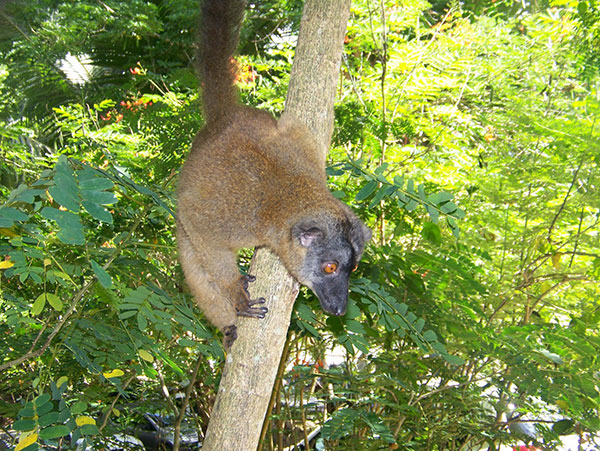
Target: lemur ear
359	235
306	233
361	231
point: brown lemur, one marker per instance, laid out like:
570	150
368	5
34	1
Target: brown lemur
249	181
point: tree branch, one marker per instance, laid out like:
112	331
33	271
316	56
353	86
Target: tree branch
186	400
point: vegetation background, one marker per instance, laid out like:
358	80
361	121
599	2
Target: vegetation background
466	137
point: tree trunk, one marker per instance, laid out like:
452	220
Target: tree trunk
251	365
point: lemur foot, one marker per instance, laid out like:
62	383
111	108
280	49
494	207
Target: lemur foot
229	336
253	312
247	279
245	306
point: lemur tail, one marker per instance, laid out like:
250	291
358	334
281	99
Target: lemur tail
219	33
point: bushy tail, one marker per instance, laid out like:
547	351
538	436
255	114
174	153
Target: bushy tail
219	33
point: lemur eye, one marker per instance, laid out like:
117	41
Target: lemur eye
330	267
355	267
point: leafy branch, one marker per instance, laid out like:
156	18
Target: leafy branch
403	191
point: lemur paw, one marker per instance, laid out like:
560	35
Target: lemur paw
244	307
253	312
247	279
229	336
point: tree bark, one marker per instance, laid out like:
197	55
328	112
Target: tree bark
251	365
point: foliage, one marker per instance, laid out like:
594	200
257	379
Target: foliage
466	137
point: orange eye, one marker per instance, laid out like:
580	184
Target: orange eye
355	267
330	267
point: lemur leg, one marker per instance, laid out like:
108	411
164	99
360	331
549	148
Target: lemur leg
219	289
206	288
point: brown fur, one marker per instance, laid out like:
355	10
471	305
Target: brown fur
249	181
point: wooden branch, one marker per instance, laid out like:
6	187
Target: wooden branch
108	412
251	366
186	401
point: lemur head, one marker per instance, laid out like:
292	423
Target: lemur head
334	246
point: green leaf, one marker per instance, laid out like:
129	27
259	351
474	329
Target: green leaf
359	342
402	198
354	326
411	205
99	197
55	432
434	214
127	314
378	197
24	425
24	194
563	427
310	329
142	321
64	415
186	342
156	301
441	197
453	226
38	304
48	419
129	306
71	424
422	195
555	358
27	411
103	277
448	208
353	311
9	215
430	335
143	190
71	229
89	429
366	190
453	359
66	198
452	222
418	325
439	347
54	301
305	313
78	407
65	190
97	212
381	169
44	408
432	233
402	309
459	213
378	427
170	362
96	184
